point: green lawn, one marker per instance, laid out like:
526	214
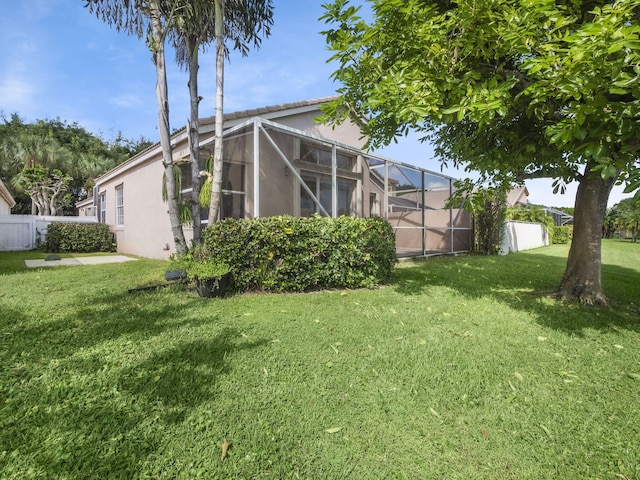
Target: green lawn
462	368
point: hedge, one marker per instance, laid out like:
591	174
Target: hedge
300	254
79	238
561	234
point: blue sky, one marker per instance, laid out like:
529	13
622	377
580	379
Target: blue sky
58	60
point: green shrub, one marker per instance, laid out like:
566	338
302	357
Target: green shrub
562	234
490	215
299	254
78	238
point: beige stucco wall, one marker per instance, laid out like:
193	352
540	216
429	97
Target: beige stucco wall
5	209
146	231
347	133
6	200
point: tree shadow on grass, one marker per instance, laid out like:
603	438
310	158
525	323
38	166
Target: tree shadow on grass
525	282
83	419
186	374
104	317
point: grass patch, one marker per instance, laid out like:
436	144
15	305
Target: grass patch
462	368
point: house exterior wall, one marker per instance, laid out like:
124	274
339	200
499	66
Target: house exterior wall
6	200
347	133
146	231
5	209
360	183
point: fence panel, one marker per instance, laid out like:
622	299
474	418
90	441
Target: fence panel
25	232
523	236
17	232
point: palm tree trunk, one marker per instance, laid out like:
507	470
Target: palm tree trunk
218	154
194	137
162	98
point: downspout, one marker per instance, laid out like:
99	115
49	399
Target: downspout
334	183
256	168
451	217
424	220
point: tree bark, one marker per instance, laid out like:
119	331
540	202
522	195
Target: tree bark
218	154
194	137
582	277
162	98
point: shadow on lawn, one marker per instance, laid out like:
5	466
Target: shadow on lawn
84	415
185	374
526	282
105	317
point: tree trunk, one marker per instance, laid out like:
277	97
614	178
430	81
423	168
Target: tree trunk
162	98
218	154
194	137
582	277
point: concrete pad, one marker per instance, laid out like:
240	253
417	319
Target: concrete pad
72	261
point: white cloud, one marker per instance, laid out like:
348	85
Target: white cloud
127	100
17	92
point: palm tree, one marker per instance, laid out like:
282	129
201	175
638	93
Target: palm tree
243	23
240	21
155	18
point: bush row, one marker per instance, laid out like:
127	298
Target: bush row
300	254
78	238
562	234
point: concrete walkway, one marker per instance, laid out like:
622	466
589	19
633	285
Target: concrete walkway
78	261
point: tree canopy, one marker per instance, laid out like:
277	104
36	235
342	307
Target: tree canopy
511	89
625	216
58	157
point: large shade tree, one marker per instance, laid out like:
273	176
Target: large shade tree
511	89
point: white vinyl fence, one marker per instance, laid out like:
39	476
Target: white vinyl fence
26	232
523	236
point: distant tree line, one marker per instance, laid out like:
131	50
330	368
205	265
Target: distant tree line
49	165
624	218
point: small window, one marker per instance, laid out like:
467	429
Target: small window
120	205
102	213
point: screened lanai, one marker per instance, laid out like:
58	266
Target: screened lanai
274	169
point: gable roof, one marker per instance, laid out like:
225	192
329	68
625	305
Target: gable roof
5	194
270	112
274	111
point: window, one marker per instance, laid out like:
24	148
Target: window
120	205
233	190
313	154
102	205
321	188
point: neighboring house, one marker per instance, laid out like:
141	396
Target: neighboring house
518	196
560	218
6	200
279	161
